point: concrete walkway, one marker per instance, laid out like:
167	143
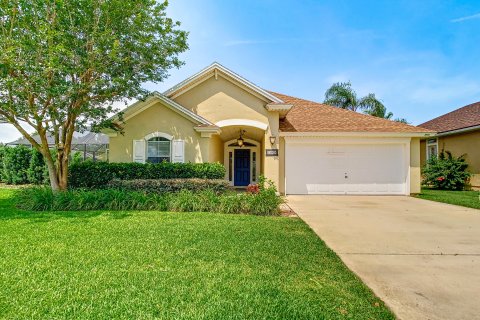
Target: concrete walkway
421	257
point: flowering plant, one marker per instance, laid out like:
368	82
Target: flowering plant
446	172
253	188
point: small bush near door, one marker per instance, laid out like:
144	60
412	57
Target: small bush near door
446	172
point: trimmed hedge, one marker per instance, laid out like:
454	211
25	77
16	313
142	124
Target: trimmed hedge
16	162
22	165
169	185
266	202
37	172
96	175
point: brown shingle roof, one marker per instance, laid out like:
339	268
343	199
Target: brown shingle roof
465	117
310	116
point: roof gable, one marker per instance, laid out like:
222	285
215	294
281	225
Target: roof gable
310	116
140	106
465	117
216	70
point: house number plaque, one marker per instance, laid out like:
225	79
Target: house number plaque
272	152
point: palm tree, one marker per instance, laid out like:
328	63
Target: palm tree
401	120
342	95
377	109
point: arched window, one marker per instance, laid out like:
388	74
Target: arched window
158	150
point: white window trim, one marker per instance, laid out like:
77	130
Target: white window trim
255	148
429	144
157	134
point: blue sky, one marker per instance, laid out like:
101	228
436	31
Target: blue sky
421	58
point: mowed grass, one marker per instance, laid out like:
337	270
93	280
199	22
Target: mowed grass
156	265
469	199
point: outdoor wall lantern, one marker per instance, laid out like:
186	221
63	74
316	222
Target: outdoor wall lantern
272	140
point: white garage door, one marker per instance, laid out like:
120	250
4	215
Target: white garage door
315	168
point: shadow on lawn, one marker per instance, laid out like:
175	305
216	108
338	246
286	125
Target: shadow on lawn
8	211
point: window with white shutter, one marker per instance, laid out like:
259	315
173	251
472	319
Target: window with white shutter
158	150
178	151
139	151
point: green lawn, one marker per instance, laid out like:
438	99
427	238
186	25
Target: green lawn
462	198
146	265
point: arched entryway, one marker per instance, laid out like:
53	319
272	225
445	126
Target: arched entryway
242	163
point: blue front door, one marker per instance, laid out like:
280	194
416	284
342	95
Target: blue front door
242	167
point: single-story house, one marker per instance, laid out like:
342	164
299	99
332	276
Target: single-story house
304	147
458	132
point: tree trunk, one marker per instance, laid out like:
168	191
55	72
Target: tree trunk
52	174
62	170
63	174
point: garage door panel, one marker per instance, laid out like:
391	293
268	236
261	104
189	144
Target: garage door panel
347	169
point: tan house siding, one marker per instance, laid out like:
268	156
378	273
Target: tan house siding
272	164
423	152
216	149
458	144
415	174
281	152
159	118
219	99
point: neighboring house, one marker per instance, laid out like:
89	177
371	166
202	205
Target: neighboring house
89	145
304	147
459	133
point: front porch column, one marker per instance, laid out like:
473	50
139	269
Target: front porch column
271	164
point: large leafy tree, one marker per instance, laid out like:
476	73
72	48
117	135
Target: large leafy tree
342	95
63	63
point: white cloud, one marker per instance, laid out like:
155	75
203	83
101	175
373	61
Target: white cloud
461	19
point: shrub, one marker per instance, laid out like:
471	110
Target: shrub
22	165
76	158
266	199
265	202
169	185
37	172
2	152
16	161
446	172
98	174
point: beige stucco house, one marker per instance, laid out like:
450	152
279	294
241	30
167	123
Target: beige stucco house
458	132
304	147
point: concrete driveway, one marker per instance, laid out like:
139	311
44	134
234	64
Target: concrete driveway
421	257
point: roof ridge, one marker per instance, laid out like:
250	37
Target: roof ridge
451	112
217	66
349	111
